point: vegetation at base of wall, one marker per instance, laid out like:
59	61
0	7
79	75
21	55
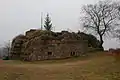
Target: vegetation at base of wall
91	49
6	58
92	40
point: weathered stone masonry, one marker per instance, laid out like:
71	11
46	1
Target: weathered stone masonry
44	49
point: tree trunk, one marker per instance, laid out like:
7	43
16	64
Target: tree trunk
101	43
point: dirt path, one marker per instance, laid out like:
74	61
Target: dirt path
67	64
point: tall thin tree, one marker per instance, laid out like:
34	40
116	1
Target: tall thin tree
48	24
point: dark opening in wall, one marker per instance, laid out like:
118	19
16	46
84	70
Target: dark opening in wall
72	54
58	44
49	53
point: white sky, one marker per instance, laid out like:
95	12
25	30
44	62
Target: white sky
17	16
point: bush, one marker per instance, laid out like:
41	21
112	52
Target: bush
6	58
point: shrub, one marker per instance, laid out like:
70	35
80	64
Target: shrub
6	58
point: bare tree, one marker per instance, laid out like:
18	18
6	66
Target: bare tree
6	49
117	30
0	53
100	18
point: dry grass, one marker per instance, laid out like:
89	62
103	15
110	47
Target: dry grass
95	67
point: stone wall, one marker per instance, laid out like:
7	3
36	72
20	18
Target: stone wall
17	46
30	32
55	50
44	45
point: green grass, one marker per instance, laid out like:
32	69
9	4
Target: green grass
97	66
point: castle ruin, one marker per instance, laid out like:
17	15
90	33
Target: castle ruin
45	45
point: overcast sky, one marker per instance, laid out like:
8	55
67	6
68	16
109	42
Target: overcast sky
17	16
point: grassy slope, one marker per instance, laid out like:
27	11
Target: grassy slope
94	67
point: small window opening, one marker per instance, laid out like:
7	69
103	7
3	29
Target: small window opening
72	53
49	53
58	44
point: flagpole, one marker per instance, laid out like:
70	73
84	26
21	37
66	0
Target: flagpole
41	20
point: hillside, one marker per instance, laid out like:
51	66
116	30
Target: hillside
98	66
